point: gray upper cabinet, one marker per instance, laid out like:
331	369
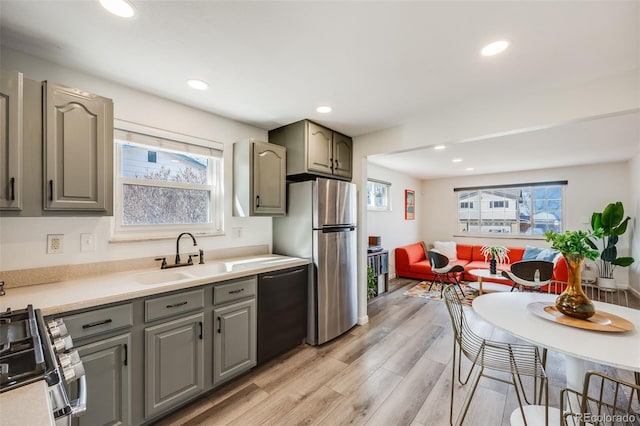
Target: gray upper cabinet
314	150
259	178
11	119
78	150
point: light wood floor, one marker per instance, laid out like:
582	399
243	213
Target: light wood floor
395	370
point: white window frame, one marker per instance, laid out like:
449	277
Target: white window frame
518	235
373	207
140	135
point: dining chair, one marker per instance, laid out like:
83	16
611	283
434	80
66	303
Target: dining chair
530	274
444	271
515	359
604	400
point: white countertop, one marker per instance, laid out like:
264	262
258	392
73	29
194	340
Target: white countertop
88	292
26	405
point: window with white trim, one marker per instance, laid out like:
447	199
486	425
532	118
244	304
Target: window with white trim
518	209
378	195
166	183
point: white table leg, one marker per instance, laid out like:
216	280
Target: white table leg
575	371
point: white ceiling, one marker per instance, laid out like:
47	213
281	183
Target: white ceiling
376	63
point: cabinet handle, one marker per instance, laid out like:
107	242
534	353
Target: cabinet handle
257	201
97	323
337	164
51	190
175	305
236	291
126	354
331	163
200	324
219	325
13	191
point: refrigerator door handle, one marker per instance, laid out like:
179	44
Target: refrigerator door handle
328	229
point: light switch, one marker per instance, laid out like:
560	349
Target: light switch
87	242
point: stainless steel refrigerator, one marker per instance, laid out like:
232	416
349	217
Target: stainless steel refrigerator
321	225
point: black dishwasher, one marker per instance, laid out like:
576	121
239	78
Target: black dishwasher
282	311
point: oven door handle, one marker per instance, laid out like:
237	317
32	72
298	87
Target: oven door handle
79	406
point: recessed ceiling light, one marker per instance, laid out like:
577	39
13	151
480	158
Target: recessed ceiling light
198	84
121	8
457	160
469	169
324	109
439	147
494	48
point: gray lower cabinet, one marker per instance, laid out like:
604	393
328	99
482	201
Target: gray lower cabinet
174	369
234	343
106	365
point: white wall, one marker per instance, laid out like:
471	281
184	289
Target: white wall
391	225
23	240
633	210
590	188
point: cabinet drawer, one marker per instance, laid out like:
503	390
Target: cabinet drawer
223	293
99	321
174	304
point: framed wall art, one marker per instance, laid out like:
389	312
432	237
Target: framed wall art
409	204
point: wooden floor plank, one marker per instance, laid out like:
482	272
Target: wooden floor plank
360	405
407	398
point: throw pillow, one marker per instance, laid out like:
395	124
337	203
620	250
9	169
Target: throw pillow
448	248
531	253
547	254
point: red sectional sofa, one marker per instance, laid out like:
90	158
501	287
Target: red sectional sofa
411	262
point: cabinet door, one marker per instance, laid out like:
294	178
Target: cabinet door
106	365
269	178
319	149
174	363
11	113
234	344
342	155
78	150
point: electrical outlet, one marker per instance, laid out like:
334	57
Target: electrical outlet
87	242
236	232
54	243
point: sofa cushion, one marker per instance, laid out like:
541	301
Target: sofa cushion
531	252
448	248
464	251
515	254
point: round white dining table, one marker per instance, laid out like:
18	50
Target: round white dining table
508	311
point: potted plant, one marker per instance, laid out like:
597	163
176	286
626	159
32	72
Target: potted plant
496	253
575	246
613	224
372	283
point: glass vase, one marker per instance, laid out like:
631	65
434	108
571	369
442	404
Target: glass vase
573	302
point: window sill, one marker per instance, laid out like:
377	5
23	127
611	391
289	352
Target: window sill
502	236
143	238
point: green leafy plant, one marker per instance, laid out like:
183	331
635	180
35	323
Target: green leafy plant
497	252
372	283
573	242
612	223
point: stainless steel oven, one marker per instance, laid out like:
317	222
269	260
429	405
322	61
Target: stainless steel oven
31	350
